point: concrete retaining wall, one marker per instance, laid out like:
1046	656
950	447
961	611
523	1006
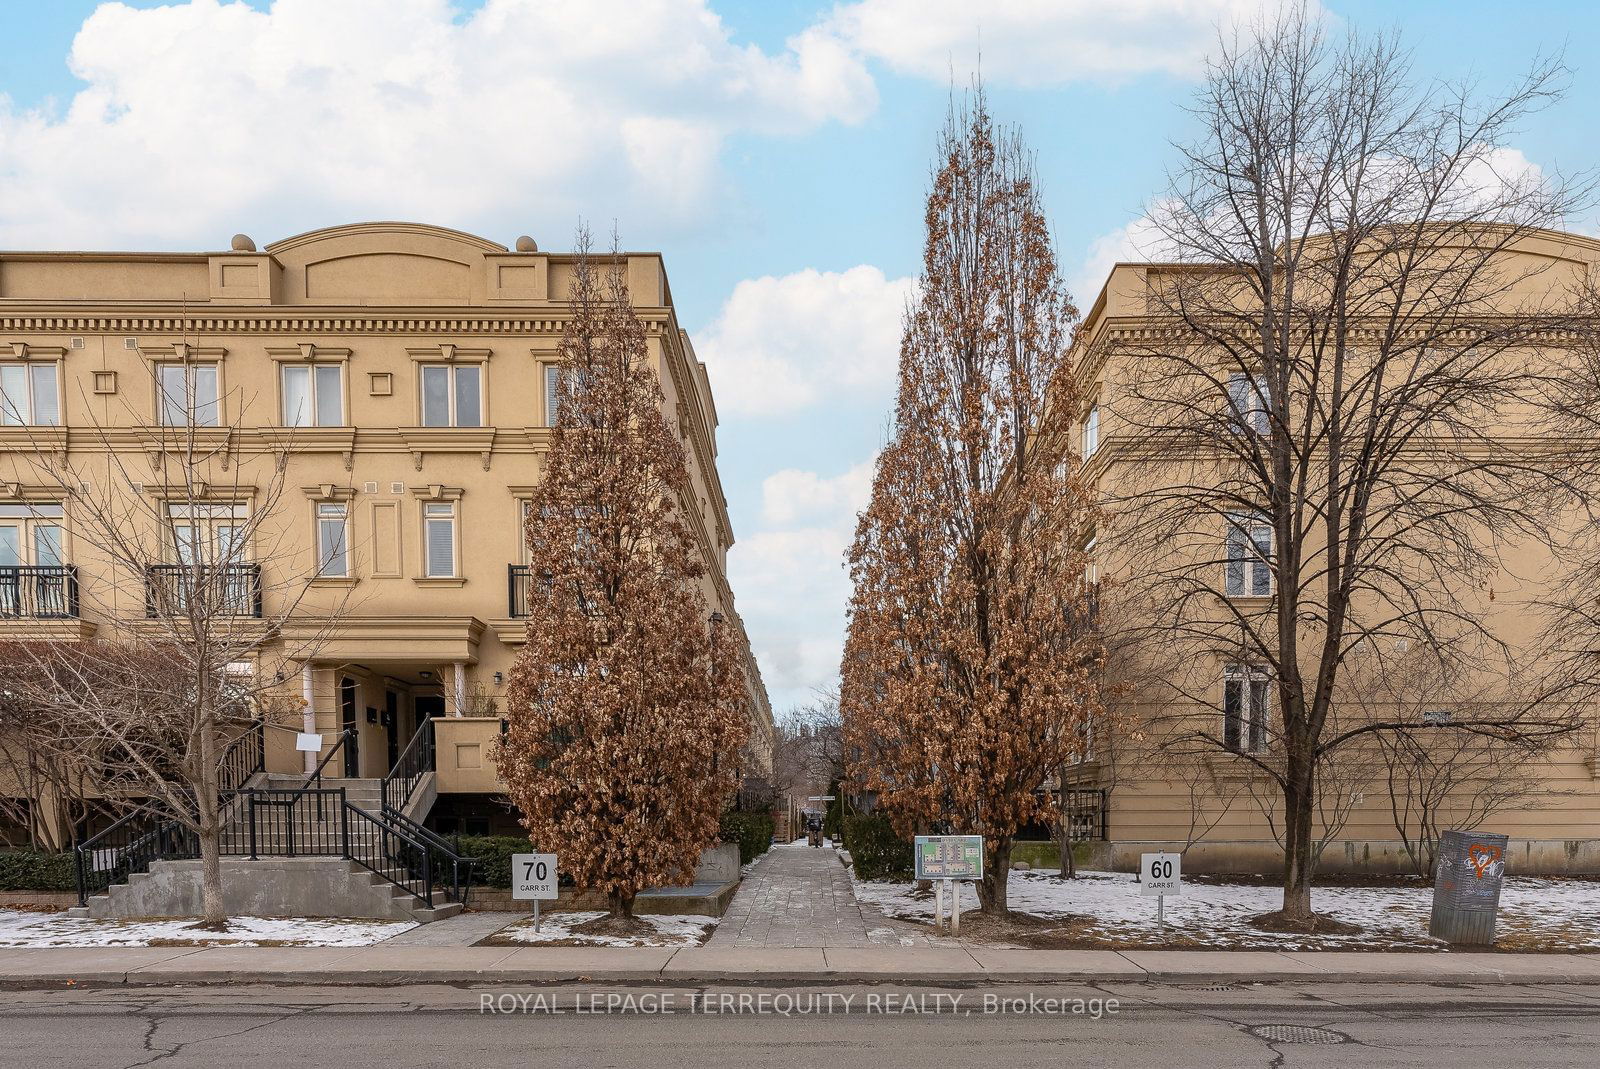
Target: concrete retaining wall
1524	857
271	887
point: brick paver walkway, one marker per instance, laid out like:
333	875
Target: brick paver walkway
800	896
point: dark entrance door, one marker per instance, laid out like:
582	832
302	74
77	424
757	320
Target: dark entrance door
347	719
391	725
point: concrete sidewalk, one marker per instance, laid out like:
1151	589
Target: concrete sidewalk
768	966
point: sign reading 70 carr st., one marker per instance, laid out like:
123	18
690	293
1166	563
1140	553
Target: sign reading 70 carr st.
949	857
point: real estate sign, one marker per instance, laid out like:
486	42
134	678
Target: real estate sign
949	857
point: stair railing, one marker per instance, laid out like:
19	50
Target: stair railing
127	847
440	853
414	762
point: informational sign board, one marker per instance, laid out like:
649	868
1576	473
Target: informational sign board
1160	874
308	741
949	857
533	877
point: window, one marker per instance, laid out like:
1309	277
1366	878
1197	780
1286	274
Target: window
333	539
188	394
1091	431
32	579
208	533
452	395
30	394
1249	567
439	539
313	395
1245	690
552	393
1248	396
30	535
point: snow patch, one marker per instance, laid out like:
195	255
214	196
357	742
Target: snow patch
25	929
689	930
1546	914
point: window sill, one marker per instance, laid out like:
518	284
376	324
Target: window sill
439	580
334	581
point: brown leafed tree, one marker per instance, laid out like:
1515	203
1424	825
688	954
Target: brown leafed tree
1328	417
626	706
972	658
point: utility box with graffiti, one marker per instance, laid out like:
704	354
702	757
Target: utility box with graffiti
1466	887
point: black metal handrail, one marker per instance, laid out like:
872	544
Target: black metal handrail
414	762
460	867
519	585
127	847
282	822
39	592
223	589
389	852
314	777
246	756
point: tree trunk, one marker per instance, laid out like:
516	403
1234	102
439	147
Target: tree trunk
208	827
1297	861
213	914
992	888
621	905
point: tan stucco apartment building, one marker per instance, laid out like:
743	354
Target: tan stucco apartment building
393	378
1131	798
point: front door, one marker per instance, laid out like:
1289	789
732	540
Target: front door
347	719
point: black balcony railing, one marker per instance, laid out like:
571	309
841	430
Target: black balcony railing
213	589
519	582
39	593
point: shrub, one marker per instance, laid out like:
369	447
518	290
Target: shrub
752	831
876	852
34	870
493	856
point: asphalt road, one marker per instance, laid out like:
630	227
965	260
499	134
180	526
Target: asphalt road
1151	1027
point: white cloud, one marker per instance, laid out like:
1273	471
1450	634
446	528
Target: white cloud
791	578
1038	42
201	118
780	344
791	496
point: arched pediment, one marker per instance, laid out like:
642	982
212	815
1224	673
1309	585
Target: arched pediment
384	263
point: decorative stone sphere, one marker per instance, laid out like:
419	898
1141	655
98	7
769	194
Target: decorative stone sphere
242	243
527	244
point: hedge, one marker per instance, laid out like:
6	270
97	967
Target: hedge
33	870
752	831
493	854
876	852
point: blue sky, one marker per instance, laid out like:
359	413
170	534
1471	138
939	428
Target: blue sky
776	151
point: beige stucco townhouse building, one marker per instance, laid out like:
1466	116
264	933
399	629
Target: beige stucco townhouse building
393	379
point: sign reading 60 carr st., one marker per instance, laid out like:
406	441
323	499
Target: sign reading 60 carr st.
949	857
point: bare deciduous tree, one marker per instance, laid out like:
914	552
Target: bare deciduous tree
627	705
195	562
1327	406
972	657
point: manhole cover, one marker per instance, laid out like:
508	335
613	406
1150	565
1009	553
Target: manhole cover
1297	1033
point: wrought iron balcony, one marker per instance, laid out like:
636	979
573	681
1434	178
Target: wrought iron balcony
213	589
39	592
519	584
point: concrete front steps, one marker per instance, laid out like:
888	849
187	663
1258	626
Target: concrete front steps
267	887
276	883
